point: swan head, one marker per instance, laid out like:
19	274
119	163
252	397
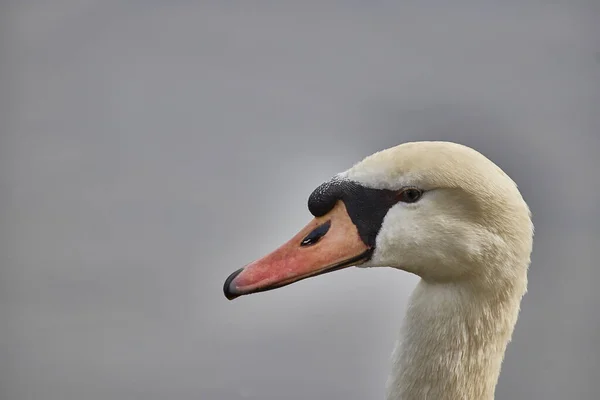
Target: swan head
439	210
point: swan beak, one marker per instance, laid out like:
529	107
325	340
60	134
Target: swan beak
328	243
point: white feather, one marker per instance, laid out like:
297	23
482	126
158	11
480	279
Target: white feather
469	239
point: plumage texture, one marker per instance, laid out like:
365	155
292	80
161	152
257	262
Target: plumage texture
469	238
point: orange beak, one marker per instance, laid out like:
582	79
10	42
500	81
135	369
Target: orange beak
328	243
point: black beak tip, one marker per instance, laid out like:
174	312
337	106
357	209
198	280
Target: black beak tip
227	289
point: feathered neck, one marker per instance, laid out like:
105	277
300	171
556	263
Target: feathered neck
453	341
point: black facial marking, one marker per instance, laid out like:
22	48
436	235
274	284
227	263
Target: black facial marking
366	207
316	234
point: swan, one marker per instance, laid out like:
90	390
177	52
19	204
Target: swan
444	212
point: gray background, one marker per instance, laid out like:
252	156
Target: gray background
150	148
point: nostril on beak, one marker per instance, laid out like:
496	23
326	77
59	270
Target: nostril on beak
316	234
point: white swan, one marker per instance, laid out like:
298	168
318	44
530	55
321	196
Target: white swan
445	213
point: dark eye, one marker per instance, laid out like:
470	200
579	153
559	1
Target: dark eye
410	195
316	234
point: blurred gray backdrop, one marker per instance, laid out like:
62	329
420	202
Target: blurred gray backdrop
150	148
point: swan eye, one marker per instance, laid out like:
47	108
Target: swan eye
410	195
316	234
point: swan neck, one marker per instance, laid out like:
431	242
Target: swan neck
453	342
